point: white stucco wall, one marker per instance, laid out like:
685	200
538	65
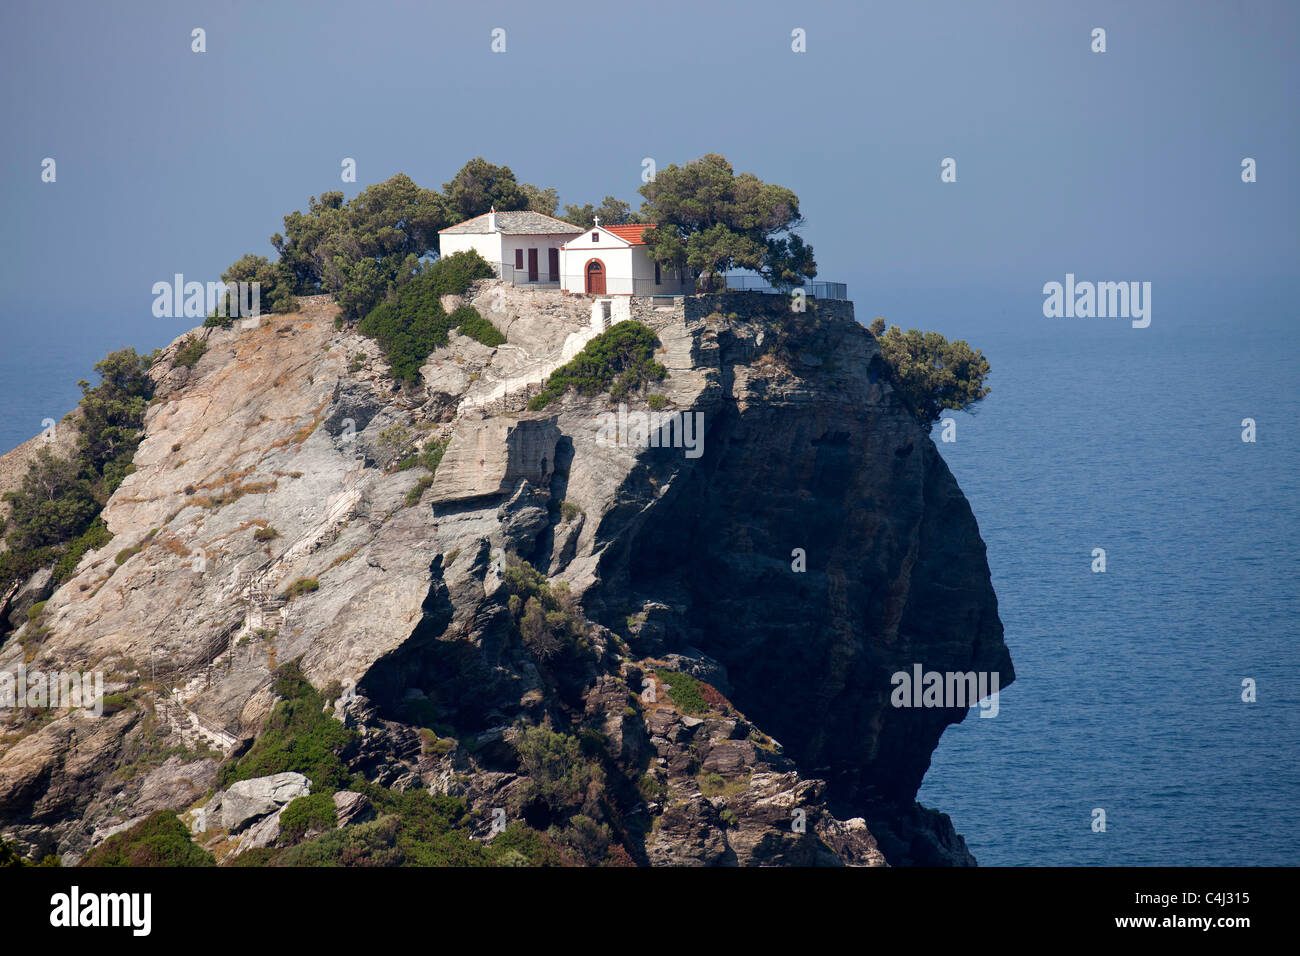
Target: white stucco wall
486	244
498	248
643	272
629	270
541	243
609	249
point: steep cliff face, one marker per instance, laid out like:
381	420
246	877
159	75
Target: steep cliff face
273	461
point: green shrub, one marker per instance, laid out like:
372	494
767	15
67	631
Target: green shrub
413	828
931	373
298	737
55	507
547	617
160	839
300	587
686	693
558	772
126	554
569	511
55	502
651	789
265	534
616	361
656	401
275	284
92	539
469	322
417	492
413	323
312	812
518	845
454	274
191	350
431	457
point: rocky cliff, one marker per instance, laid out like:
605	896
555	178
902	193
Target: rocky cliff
811	544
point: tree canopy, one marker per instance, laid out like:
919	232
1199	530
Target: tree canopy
480	186
611	211
59	498
930	372
362	251
710	219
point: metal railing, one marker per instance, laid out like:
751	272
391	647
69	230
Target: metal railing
668	285
817	290
508	272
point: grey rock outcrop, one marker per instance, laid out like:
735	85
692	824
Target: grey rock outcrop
675	561
248	800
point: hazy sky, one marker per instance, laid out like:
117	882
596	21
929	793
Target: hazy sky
1122	165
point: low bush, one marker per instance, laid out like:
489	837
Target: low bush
160	839
413	323
686	693
558	773
547	617
617	361
300	587
305	814
469	322
191	350
413	828
417	492
298	737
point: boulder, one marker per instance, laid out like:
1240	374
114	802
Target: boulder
248	800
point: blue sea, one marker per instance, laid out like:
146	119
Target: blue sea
1096	435
1128	695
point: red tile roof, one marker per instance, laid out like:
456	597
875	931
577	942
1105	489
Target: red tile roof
630	234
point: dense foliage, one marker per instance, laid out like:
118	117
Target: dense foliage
191	350
468	321
558	773
54	510
275	284
160	839
298	737
547	616
709	220
413	323
364	250
617	361
10	857
685	691
930	372
413	828
314	812
610	212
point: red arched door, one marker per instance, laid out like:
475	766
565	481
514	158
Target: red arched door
595	277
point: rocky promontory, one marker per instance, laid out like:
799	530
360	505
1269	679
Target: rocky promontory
456	574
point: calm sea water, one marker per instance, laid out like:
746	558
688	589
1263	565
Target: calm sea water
1128	690
1096	435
